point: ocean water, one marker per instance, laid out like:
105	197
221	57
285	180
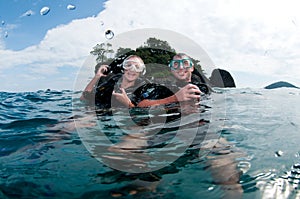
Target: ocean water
44	152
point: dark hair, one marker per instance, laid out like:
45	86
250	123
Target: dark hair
98	66
181	55
134	56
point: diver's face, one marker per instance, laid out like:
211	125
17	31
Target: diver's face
130	70
182	72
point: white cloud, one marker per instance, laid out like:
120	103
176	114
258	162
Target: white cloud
64	45
2	43
256	36
260	37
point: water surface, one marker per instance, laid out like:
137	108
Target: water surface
42	154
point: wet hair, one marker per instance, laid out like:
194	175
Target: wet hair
181	55
134	56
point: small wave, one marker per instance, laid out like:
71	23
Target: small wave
29	123
17	190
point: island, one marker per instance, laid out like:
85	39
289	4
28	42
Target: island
280	84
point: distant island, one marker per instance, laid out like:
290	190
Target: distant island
280	84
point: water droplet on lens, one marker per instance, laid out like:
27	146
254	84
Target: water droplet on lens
101	23
71	7
244	166
296	166
45	10
278	153
109	34
2	22
6	34
28	13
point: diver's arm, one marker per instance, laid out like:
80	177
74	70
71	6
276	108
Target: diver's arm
186	93
89	88
147	103
92	83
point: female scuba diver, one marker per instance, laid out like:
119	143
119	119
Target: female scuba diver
110	87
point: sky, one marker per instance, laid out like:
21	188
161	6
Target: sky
257	41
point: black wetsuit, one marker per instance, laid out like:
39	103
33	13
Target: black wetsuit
103	97
153	91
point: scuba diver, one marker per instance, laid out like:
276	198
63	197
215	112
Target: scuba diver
111	86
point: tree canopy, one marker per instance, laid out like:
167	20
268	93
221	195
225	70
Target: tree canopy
102	51
155	53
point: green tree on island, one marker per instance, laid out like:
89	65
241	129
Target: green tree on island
101	51
156	54
121	51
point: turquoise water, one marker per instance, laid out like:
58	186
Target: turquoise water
43	156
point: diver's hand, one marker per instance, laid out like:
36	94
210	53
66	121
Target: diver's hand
123	98
188	92
89	88
101	70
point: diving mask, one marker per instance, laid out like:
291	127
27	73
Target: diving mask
134	66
